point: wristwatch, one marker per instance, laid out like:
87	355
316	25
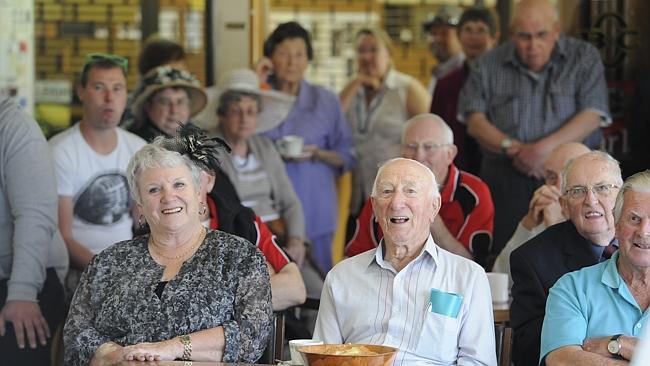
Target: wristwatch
506	143
614	346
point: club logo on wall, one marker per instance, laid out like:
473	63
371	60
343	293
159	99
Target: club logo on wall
610	33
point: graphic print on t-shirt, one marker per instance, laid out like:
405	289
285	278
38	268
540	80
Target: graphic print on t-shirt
104	201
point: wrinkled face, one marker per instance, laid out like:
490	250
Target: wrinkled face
475	38
290	60
170	201
440	39
592	214
240	120
103	97
534	36
633	229
423	142
167	108
404	205
372	56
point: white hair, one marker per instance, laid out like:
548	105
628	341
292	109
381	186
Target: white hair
592	155
639	182
447	135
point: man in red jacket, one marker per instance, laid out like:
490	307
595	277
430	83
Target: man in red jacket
464	224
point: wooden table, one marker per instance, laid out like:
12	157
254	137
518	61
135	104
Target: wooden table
183	363
501	312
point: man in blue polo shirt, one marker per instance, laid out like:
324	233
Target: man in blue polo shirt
594	315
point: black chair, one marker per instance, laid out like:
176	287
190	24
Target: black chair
275	346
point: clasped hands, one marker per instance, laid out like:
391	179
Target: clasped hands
528	158
544	207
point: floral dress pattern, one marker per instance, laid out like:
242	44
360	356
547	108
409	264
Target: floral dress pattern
225	283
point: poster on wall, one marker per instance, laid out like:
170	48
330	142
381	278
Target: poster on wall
16	52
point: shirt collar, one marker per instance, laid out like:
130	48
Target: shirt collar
430	249
449	189
390	81
610	275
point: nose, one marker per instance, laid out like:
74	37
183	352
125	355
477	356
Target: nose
109	96
591	196
644	228
420	154
397	201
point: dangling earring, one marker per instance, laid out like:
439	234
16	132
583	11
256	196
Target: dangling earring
142	222
202	208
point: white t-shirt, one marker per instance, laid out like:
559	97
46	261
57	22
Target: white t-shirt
98	185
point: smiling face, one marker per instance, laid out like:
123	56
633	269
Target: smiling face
290	60
170	201
167	108
633	230
592	214
373	57
240	119
103	97
475	38
405	204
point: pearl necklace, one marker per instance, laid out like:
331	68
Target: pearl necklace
183	255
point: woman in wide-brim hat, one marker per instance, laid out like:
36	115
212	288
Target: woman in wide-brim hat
240	111
168	96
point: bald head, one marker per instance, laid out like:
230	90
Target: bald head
525	10
558	158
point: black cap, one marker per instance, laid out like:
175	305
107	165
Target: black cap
446	15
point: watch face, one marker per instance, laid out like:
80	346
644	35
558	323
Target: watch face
613	347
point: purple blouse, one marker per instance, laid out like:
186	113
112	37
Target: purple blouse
318	118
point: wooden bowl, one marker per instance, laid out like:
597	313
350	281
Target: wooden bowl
328	355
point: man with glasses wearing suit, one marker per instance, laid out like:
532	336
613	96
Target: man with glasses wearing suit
590	183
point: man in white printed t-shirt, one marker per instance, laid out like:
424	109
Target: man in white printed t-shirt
90	161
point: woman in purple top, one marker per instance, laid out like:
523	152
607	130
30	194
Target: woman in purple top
317	117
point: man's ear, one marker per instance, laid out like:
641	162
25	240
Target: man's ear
435	208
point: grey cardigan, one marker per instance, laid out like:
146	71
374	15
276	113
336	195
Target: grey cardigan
284	197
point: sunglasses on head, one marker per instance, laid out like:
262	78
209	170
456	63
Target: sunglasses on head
122	62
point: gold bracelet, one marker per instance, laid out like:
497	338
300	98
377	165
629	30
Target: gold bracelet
187	347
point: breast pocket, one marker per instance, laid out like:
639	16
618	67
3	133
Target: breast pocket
504	112
561	104
439	338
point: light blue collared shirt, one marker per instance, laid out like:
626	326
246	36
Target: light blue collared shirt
591	302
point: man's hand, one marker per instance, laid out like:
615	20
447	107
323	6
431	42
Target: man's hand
544	207
529	159
27	319
296	250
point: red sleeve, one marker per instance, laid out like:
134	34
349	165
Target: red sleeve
366	234
266	242
481	219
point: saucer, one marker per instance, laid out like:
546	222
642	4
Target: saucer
302	155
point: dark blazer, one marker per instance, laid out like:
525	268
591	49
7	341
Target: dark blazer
535	267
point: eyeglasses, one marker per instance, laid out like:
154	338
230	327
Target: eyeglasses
168	103
580	192
429	148
120	61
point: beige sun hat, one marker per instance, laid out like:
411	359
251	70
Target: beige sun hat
274	105
168	77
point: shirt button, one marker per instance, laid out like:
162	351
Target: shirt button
638	325
396	310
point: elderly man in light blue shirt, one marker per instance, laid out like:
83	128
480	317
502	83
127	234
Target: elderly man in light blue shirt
434	306
594	315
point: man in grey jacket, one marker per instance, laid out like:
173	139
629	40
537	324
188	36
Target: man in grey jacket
33	257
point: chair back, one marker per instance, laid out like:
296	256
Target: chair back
275	345
503	342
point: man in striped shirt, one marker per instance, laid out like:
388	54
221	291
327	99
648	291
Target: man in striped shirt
433	306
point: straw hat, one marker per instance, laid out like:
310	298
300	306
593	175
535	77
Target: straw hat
274	105
168	77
